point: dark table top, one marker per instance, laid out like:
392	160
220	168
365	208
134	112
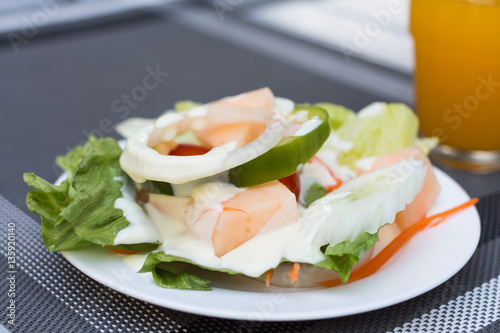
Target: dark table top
65	84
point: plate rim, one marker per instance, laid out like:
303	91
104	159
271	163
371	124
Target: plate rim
323	313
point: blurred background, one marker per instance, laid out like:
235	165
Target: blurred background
369	29
71	68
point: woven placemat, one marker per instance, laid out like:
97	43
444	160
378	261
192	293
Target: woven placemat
53	296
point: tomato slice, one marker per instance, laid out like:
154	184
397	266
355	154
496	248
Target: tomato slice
189	149
293	183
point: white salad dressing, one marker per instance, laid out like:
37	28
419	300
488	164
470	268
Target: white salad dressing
372	110
365	163
185	223
309	126
372	200
140	229
299	116
141	162
332	147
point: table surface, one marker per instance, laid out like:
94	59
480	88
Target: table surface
62	85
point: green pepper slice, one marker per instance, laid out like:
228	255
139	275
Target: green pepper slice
152	186
287	156
140	247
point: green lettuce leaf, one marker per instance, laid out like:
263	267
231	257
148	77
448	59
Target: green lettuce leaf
184	280
166	278
155	258
342	256
337	114
70	161
48	202
81	211
97	184
314	192
379	128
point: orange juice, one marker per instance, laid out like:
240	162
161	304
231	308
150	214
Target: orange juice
457	77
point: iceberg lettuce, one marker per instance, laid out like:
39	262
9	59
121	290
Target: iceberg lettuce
377	129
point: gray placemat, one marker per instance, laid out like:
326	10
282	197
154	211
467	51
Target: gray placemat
47	106
53	296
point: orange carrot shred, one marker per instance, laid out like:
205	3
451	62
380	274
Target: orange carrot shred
323	164
232	209
380	259
294	272
122	251
269	276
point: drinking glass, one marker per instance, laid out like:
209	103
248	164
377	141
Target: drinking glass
457	79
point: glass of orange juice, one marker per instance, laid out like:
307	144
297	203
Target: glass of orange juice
457	79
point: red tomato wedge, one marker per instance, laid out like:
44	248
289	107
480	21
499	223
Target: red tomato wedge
292	182
189	149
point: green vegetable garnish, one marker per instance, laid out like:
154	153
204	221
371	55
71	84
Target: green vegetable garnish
378	129
81	211
342	256
287	156
314	192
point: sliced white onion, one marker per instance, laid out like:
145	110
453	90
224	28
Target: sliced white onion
131	125
141	162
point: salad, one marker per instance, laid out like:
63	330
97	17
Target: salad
251	184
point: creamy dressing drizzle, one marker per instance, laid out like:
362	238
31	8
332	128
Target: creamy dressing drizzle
140	229
185	223
371	200
329	153
308	126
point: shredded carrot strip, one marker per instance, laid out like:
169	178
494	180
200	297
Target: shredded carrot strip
269	276
380	259
323	164
294	272
333	187
232	209
122	251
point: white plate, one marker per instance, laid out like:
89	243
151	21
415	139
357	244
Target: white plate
429	259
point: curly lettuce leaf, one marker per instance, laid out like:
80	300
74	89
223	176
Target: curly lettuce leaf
81	211
155	258
184	280
158	264
47	202
342	256
70	161
97	185
379	128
